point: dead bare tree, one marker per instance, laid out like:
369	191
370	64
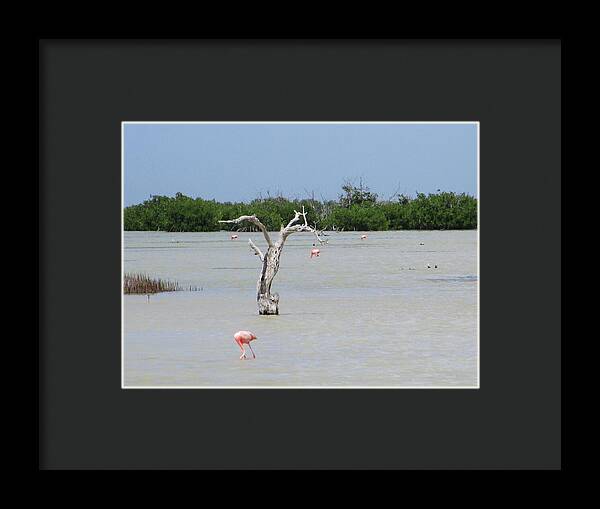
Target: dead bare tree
268	303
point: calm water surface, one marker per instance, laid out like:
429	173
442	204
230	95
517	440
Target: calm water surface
365	313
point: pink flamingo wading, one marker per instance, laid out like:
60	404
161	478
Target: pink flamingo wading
243	337
314	252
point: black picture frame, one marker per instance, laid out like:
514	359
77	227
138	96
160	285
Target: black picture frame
87	87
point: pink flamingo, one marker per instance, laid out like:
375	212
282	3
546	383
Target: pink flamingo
363	237
314	252
243	337
233	237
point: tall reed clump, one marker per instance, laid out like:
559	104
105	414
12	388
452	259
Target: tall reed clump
144	284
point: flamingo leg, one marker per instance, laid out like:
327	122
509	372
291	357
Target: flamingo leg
243	356
253	354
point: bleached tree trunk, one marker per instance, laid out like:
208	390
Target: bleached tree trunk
268	302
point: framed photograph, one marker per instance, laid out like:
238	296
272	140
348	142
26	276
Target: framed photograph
381	287
300	254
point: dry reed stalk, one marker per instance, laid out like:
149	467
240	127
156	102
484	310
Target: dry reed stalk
144	284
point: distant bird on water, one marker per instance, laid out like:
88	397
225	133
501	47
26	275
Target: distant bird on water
314	252
233	237
363	237
243	337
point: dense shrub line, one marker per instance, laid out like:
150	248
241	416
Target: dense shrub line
357	209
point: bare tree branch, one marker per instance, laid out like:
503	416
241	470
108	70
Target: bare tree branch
296	217
254	220
291	228
395	192
256	250
303	228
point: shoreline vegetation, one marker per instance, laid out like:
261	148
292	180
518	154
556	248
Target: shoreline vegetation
143	284
357	209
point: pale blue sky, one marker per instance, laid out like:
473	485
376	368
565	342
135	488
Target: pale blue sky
237	162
